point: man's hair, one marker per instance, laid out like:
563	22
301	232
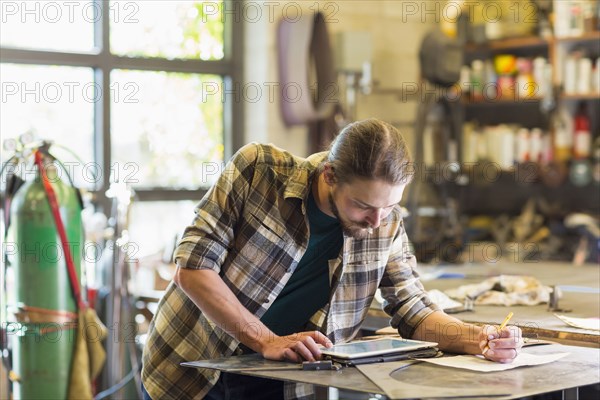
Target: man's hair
370	149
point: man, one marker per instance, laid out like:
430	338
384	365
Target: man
284	256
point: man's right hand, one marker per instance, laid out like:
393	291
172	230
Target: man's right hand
298	347
208	291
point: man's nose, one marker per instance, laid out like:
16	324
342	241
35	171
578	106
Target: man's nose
374	218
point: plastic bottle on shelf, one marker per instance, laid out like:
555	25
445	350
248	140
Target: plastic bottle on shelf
589	10
477	77
596	166
584	75
548	101
547	150
570	74
525	81
582	140
562	134
581	168
561	18
506	67
539	76
576	23
596	75
535	145
489	81
580	173
506	157
465	80
522	146
597	16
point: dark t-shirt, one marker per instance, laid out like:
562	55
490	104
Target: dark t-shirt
308	288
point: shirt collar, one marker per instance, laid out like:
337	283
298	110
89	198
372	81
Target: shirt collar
299	183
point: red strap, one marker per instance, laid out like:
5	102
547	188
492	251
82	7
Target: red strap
61	231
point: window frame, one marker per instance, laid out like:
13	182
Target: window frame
103	62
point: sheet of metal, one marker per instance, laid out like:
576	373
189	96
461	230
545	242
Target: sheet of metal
402	380
255	365
249	362
409	379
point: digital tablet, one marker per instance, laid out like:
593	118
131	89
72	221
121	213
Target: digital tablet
375	347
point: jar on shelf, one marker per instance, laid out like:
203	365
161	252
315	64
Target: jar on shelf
596	76
477	77
506	66
584	75
582	139
562	134
570	73
490	88
522	146
535	145
596	162
539	76
525	85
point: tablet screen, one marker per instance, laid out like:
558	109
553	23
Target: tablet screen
375	347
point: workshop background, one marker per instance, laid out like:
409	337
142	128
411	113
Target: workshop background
138	104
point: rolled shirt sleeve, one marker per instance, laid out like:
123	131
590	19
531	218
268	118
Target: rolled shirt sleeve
406	300
206	241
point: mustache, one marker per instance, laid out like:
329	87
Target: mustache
359	224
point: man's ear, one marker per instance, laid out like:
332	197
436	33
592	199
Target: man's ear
329	174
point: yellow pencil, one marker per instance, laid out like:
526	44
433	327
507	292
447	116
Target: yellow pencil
508	317
502	326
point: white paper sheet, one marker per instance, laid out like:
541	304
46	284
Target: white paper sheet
478	363
442	300
582	323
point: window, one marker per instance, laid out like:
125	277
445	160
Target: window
121	84
56	102
168	29
49	26
165	218
165	130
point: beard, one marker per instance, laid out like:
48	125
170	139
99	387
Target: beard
357	230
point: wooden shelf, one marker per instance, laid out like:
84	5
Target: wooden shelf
587	96
513	188
514	43
510	43
589	36
527	100
529	42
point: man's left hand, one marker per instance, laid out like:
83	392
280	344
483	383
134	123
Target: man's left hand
502	346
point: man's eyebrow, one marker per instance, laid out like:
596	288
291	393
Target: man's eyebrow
368	205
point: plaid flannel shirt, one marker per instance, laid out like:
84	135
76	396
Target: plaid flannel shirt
251	228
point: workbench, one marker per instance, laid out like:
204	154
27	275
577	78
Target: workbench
423	380
579	286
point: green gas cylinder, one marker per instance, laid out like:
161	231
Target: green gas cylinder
42	301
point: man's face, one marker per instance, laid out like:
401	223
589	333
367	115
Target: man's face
362	204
